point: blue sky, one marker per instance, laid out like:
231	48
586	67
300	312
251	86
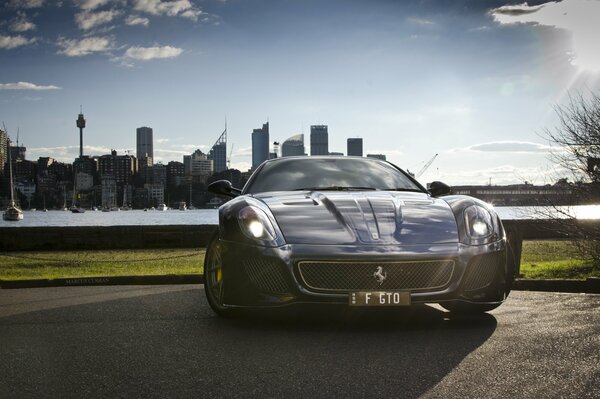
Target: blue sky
474	81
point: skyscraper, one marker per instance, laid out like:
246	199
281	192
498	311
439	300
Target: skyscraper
293	146
260	145
319	140
144	146
355	147
218	153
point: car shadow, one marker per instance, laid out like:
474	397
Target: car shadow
172	345
333	317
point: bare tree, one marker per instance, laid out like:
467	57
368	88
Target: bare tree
578	136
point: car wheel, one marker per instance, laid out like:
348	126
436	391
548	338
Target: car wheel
214	283
464	308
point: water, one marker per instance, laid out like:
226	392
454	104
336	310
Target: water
210	216
116	218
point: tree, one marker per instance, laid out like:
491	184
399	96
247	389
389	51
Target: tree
578	136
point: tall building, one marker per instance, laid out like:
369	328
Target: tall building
17	152
355	147
218	153
144	146
260	145
319	140
197	164
293	146
175	172
120	167
80	122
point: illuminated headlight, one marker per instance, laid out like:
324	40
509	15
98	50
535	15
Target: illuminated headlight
478	221
255	224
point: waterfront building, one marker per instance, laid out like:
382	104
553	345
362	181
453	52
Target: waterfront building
86	164
145	169
121	167
159	174
83	181
319	140
293	146
140	198
62	171
218	153
109	191
197	164
144	143
354	147
156	194
24	170
17	152
27	189
260	145
175	171
377	156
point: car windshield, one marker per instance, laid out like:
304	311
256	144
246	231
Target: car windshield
329	174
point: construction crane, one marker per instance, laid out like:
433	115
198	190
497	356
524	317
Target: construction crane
229	157
425	167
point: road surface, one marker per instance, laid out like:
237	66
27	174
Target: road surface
164	341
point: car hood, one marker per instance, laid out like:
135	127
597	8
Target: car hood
368	217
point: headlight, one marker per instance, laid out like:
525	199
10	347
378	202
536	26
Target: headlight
255	224
478	222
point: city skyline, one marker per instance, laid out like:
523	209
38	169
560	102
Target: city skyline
475	81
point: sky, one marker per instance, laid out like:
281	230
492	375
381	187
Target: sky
474	81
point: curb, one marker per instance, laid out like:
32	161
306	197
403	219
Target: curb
589	286
97	281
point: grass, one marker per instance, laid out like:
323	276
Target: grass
549	259
554	259
70	264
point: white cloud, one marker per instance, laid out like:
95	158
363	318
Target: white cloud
510	146
580	17
10	42
26	86
149	53
21	24
92	4
420	21
86	46
67	154
25	3
137	20
173	8
160	141
88	19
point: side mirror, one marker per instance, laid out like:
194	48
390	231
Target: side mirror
437	188
223	187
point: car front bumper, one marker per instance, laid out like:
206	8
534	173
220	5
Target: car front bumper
265	277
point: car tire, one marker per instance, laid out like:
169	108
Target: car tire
214	281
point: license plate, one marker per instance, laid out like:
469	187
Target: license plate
379	298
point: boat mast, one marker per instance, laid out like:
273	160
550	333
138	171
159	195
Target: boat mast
12	189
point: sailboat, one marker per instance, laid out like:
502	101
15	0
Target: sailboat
12	212
76	208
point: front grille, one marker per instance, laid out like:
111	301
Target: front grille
350	276
482	270
267	275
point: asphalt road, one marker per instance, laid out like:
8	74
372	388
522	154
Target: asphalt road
163	341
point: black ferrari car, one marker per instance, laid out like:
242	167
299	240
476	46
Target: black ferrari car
353	231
